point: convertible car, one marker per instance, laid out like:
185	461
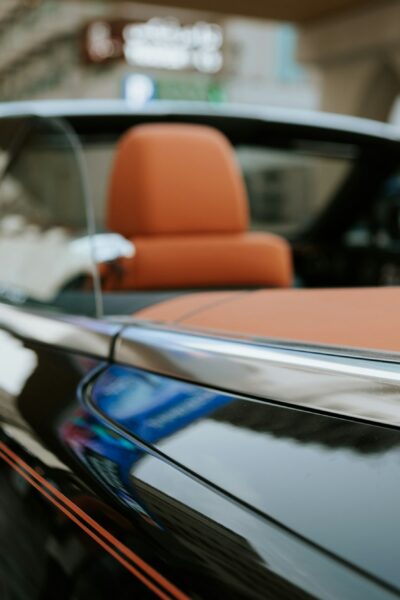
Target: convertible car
199	353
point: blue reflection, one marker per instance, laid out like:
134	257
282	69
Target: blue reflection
149	406
106	455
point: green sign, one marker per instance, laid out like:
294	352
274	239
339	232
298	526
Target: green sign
169	89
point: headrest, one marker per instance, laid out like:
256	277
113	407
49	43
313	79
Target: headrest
176	178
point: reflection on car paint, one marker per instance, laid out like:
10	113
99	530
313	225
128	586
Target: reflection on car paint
146	406
107	456
217	442
152	407
188	514
172	520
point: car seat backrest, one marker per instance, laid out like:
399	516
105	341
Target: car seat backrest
171	179
177	192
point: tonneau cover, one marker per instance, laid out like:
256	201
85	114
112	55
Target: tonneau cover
366	318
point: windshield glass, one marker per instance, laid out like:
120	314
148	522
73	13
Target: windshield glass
46	257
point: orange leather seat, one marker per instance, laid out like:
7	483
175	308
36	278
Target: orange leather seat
177	193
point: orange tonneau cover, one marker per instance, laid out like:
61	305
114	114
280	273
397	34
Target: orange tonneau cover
367	318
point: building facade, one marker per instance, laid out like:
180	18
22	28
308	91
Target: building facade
71	49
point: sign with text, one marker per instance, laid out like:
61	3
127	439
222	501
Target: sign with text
156	44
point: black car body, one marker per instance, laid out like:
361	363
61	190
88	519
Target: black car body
145	458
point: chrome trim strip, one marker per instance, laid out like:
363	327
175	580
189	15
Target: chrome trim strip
343	385
279	343
70	333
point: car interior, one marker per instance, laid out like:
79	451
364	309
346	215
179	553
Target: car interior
177	193
208	209
333	196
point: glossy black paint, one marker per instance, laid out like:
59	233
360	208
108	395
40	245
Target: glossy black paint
219	503
43	555
327	479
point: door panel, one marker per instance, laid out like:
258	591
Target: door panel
61	532
315	476
116	480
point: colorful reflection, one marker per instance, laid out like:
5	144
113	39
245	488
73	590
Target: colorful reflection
150	407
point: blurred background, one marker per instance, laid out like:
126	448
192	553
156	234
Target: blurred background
336	55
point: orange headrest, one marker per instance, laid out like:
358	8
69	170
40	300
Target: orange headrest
176	178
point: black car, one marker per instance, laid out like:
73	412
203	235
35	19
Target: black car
199	344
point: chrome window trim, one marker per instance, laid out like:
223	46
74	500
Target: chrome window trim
354	386
70	333
280	343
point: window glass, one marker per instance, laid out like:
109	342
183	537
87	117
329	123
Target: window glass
288	187
376	235
46	251
99	158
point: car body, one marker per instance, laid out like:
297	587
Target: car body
190	443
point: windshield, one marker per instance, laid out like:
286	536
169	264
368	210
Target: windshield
45	250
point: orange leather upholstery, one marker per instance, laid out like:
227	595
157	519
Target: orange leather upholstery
358	318
173	179
179	308
177	193
213	261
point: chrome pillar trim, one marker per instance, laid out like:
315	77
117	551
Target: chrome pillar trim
343	385
71	333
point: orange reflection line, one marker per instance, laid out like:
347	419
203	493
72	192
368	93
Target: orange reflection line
22	468
103	544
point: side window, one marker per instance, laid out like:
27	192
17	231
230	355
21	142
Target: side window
379	226
376	235
386	214
288	187
46	248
